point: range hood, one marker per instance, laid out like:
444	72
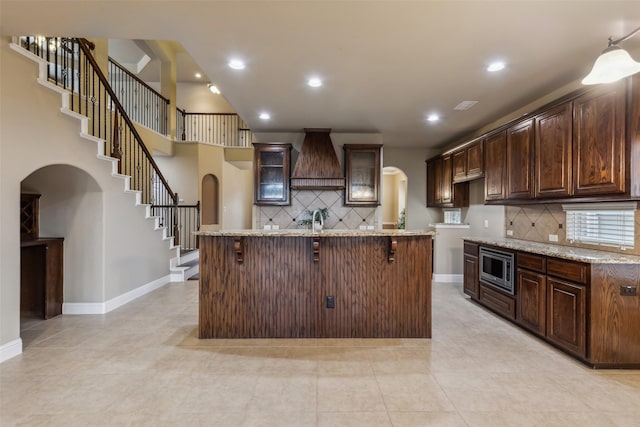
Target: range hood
317	167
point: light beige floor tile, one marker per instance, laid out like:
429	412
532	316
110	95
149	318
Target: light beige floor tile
422	419
349	394
280	419
354	419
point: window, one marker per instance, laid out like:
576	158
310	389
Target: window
608	224
452	216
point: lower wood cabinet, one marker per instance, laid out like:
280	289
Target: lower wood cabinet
531	288
471	284
589	310
566	315
41	277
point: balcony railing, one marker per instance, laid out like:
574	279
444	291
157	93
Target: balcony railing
224	129
143	104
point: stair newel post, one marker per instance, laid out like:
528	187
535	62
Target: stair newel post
116	151
198	224
176	231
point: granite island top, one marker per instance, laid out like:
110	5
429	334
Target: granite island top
559	251
309	233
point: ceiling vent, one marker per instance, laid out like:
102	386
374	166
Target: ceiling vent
465	105
317	167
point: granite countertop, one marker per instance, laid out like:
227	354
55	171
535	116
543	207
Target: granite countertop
559	251
309	233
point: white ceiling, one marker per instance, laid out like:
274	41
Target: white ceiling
386	64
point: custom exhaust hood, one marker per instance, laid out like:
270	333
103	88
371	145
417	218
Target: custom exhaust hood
317	167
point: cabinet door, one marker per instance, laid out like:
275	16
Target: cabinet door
475	160
519	160
459	165
271	164
362	175
553	152
566	318
470	284
531	300
447	183
494	166
434	182
599	141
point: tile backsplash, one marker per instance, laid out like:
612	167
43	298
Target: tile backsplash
537	222
339	216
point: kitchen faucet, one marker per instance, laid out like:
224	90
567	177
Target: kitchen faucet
313	221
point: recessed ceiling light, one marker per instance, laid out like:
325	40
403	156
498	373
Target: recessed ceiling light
433	118
198	75
214	89
314	82
237	64
496	66
264	116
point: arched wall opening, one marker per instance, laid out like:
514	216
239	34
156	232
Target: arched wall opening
71	207
394	197
210	200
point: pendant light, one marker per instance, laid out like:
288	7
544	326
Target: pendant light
613	64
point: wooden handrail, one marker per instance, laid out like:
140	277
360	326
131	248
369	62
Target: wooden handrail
84	46
137	79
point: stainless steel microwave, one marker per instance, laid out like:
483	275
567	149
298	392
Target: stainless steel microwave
497	269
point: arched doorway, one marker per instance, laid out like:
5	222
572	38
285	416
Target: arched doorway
70	207
394	198
210	197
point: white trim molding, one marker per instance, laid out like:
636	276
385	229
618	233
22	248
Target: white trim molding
10	349
448	278
112	304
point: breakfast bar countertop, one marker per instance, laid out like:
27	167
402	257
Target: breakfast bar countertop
308	233
559	251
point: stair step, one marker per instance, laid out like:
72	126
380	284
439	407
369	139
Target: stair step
191	263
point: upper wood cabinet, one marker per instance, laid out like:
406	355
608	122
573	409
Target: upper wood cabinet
495	159
520	160
362	174
599	141
468	163
441	192
552	152
272	166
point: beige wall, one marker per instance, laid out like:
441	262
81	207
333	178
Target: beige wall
197	98
35	134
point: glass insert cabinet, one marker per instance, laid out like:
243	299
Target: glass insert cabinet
272	163
362	173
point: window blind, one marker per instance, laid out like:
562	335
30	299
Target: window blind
604	224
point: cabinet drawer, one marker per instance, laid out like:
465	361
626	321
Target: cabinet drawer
498	302
471	248
532	262
570	270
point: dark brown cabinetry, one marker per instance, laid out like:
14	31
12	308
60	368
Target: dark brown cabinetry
441	192
41	279
566	315
520	160
362	174
531	291
272	165
468	163
495	159
578	307
599	141
552	152
470	284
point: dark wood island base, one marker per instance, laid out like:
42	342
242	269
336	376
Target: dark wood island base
298	284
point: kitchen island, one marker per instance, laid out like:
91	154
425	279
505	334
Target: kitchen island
299	284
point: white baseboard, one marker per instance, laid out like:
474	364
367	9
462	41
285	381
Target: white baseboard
10	349
448	278
112	304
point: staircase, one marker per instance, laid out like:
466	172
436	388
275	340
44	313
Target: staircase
66	66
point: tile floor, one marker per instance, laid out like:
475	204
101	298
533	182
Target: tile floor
143	365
